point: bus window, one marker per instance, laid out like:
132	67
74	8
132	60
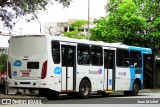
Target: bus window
83	53
122	58
96	55
108	59
56	52
135	59
70	57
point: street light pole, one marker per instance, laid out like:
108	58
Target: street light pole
88	17
20	30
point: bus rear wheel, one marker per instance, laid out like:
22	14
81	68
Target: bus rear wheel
84	89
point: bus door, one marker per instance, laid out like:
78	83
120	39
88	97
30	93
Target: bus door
135	66
109	68
68	54
148	72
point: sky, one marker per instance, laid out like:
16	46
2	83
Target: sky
78	9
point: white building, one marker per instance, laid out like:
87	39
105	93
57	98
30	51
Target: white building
58	28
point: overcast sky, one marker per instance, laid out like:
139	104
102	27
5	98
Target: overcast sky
78	9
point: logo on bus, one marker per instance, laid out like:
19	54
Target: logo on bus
14	73
17	63
100	71
57	70
96	72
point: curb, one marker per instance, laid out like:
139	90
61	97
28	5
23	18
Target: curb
149	90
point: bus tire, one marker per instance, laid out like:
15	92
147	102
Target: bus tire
84	89
135	89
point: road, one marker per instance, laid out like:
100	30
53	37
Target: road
142	98
151	99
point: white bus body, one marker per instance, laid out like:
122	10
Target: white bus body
56	65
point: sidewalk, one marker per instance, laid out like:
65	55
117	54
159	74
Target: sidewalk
149	90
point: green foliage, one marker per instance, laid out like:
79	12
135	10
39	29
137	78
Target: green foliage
122	23
151	11
3	62
71	34
77	26
12	10
133	22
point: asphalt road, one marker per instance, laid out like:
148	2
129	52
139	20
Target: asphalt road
149	99
142	98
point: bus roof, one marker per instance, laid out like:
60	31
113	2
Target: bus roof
144	50
115	45
85	41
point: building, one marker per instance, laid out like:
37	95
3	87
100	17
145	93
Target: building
58	28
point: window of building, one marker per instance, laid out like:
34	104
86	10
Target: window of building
86	29
122	58
71	29
96	55
83	53
135	59
65	29
56	52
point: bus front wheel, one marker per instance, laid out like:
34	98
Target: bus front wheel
135	89
84	89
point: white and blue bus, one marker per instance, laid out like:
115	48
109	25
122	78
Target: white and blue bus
56	65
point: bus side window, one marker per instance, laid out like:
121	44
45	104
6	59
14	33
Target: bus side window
83	53
56	52
96	56
135	59
122	58
108	59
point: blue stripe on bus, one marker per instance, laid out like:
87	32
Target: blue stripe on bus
143	50
132	77
132	70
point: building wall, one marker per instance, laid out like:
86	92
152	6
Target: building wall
58	28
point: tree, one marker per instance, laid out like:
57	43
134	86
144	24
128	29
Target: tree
11	10
151	12
77	32
3	62
132	22
124	23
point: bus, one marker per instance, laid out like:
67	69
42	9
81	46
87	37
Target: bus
55	65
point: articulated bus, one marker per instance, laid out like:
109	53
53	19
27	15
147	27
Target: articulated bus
55	65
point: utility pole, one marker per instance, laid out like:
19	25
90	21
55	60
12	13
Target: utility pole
20	30
88	18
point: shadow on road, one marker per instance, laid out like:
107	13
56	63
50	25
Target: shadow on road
93	96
